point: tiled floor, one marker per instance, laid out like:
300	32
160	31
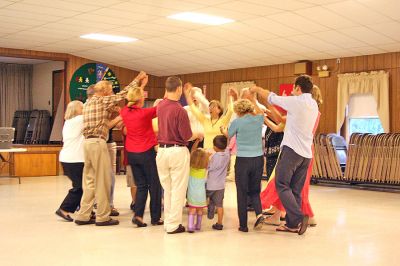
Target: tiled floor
354	228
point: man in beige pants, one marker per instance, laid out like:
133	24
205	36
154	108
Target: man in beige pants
96	173
173	158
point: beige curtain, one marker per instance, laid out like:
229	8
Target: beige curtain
15	91
238	85
375	83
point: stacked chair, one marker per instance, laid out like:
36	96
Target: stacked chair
374	159
329	157
20	123
38	129
371	159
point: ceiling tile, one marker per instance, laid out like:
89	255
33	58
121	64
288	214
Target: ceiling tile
282	4
271	26
249	8
290	46
391	29
64	5
366	50
391	47
326	17
366	35
338	39
300	23
388	8
313	42
357	12
43	10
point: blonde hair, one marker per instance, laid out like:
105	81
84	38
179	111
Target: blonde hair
102	86
134	95
219	105
243	107
199	159
72	109
316	94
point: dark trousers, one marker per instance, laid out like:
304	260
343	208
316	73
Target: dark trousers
144	170
73	199
290	175
248	173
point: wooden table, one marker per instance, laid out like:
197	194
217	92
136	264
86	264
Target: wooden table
10	161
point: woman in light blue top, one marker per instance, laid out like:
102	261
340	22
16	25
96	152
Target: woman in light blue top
249	160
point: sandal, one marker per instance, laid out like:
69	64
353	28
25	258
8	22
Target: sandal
284	228
66	217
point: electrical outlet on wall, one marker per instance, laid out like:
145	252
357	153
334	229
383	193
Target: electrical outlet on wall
338	61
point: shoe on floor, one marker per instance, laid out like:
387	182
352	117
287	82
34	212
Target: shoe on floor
132	206
107	223
114	212
217	226
259	222
138	222
303	225
180	229
244	229
64	216
159	222
79	222
272	220
312	222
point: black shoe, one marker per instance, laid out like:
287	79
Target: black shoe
283	219
259	223
138	223
159	222
303	225
243	229
93	215
180	229
210	212
132	207
79	222
107	223
114	212
217	226
62	215
268	213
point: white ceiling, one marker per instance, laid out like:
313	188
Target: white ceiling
23	61
265	32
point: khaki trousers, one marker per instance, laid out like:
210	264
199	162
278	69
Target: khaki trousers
173	165
96	181
112	151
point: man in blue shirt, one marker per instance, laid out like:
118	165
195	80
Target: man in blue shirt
296	154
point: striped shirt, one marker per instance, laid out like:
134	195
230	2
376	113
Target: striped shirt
96	112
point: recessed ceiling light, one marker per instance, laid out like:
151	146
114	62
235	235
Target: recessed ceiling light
200	18
108	38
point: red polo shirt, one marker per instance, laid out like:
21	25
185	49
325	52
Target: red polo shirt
140	137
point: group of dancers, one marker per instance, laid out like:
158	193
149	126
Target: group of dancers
181	155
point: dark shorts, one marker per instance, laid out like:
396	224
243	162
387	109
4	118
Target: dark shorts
216	197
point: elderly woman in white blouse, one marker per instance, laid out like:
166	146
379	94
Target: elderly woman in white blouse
71	158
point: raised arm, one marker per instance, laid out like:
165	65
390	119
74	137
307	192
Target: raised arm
197	113
233	96
274	127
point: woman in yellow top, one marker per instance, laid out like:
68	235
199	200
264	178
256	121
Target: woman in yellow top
216	120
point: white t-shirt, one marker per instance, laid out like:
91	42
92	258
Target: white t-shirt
72	150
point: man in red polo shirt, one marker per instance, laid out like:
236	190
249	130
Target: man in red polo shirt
173	157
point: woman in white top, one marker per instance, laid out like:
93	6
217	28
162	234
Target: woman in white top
71	158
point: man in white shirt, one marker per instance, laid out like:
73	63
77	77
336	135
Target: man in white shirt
296	154
203	104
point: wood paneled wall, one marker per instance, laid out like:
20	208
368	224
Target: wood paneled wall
265	76
270	77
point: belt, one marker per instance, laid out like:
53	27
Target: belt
162	145
95	137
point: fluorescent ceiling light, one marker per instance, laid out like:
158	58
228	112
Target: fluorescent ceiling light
108	38
200	18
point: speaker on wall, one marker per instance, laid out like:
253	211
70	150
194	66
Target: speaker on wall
303	67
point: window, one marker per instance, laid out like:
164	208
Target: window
365	125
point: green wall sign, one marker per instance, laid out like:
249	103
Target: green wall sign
87	75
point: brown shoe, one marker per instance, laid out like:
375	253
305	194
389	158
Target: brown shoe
180	229
303	225
79	222
114	212
107	223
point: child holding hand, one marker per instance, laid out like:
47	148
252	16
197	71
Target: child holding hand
196	194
